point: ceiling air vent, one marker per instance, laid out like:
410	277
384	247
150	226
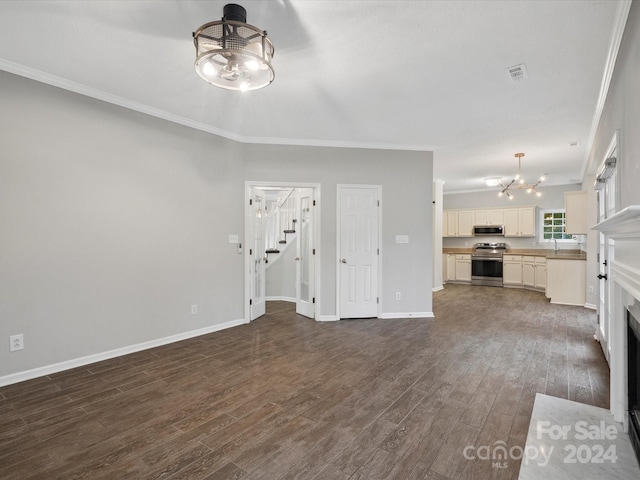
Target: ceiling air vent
517	72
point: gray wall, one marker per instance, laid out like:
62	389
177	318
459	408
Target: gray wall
113	223
406	179
552	197
281	273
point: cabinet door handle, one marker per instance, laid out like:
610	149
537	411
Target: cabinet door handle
602	277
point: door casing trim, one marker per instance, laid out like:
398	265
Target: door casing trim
248	185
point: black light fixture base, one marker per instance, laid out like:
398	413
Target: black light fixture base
234	12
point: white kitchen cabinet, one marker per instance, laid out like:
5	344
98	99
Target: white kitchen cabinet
575	204
527	220
534	272
512	270
566	281
520	222
540	270
528	271
445	256
452	223
458	223
451	267
463	267
491	216
445	227
511	222
466	219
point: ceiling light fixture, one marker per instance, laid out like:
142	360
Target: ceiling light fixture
232	54
518	182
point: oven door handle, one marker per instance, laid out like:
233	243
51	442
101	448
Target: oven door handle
483	259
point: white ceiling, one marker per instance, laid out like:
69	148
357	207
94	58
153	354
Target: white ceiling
422	75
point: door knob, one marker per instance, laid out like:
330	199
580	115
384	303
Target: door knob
344	260
602	276
297	259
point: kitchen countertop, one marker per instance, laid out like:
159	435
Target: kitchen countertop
550	254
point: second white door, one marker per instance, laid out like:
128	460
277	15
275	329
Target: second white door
358	251
305	265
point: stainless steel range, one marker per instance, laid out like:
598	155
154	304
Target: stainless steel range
486	264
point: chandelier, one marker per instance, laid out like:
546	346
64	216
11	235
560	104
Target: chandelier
232	54
517	183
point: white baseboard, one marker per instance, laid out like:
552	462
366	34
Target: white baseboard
391	315
327	318
98	357
280	299
437	289
590	306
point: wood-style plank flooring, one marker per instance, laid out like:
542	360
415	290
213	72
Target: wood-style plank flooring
289	398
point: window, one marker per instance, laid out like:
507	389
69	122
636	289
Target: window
552	228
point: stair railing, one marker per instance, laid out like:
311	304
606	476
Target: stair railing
279	221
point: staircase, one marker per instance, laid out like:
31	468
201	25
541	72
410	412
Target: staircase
280	226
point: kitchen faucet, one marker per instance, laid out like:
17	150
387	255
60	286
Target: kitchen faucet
556	245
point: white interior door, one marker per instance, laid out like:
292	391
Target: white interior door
305	265
257	254
358	251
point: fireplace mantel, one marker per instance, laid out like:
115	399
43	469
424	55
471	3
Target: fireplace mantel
622	232
625	222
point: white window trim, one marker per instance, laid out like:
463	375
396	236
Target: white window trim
575	240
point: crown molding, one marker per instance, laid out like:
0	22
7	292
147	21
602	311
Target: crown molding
55	81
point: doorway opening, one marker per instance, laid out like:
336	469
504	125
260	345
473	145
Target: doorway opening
282	244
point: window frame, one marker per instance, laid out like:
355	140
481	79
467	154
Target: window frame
541	227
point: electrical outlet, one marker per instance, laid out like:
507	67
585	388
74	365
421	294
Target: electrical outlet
590	288
194	309
398	296
16	342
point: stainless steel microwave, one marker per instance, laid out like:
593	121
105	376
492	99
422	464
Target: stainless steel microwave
486	230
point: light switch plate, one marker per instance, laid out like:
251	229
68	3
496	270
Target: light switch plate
402	238
233	238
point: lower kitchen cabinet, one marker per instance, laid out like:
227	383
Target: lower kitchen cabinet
562	280
534	272
528	271
540	273
566	281
512	270
463	267
458	267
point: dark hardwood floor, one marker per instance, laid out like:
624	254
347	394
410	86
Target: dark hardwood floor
289	398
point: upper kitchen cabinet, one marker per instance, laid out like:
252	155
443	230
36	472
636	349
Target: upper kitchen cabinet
517	221
520	222
466	219
575	204
458	223
490	217
451	223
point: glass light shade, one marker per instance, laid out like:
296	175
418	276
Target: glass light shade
233	55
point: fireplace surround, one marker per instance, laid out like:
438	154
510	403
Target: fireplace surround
622	233
633	385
